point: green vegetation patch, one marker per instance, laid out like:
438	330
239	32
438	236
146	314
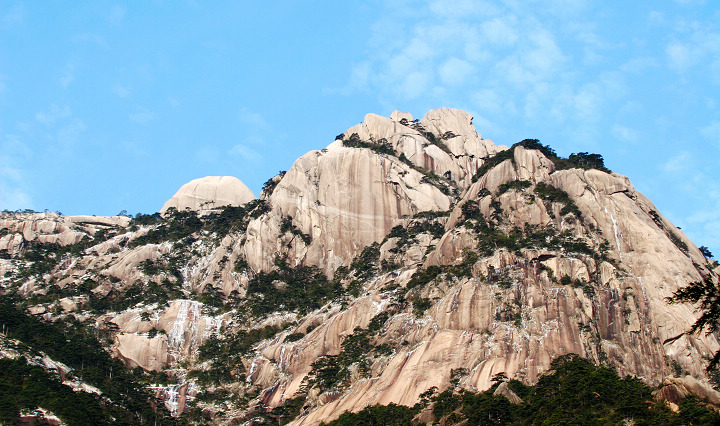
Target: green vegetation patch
382	146
24	386
69	342
301	289
492	237
556	195
581	160
574	392
288	226
225	354
517	185
333	371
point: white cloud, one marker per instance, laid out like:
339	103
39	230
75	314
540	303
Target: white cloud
14	16
487	100
255	132
416	83
679	56
498	31
13	198
411	58
13	192
53	115
67	75
625	134
117	14
693	45
546	56
638	65
252	120
462	8
70	133
246	152
712	132
677	163
455	71
120	90
142	116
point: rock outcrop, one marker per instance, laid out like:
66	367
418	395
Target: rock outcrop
343	199
209	193
448	258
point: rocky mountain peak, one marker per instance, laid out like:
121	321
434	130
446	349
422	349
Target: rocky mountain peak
209	193
409	258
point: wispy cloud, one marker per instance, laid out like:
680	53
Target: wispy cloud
142	116
117	14
693	44
53	115
455	71
69	134
255	129
120	90
92	39
255	138
246	152
712	132
504	50
67	75
677	163
252	120
13	185
14	16
13	197
62	127
625	134
705	221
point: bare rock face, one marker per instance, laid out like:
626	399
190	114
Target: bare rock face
482	266
182	327
505	391
444	142
514	315
209	193
343	199
16	230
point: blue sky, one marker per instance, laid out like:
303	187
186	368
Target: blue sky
110	106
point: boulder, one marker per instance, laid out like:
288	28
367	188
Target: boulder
208	193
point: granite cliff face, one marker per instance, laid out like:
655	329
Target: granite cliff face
208	193
406	255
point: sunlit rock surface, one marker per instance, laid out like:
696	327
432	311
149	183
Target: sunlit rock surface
596	285
209	193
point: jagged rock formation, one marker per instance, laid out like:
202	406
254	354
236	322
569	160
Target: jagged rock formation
208	193
408	254
346	198
51	228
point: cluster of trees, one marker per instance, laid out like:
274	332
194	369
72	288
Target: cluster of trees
382	146
177	225
301	289
71	343
581	160
575	392
331	371
24	386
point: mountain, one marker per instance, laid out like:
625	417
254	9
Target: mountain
408	256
